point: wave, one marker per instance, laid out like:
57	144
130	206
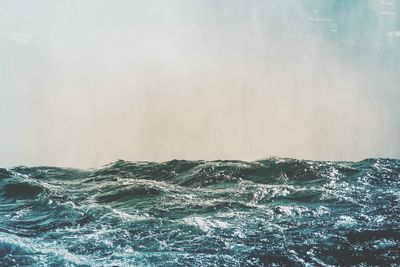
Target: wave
268	212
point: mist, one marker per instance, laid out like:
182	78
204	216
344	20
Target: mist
84	83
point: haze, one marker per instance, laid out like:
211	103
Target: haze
84	83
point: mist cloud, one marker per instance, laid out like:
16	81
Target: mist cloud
86	83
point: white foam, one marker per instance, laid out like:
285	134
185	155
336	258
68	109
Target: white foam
205	224
345	221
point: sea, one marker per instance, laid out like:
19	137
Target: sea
268	212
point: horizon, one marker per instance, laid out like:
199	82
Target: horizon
269	158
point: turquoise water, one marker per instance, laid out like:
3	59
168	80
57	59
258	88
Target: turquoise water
271	212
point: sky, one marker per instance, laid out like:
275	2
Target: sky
84	83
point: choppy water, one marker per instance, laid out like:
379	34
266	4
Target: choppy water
270	212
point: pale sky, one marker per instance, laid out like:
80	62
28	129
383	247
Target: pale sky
84	83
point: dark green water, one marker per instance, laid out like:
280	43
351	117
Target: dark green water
272	212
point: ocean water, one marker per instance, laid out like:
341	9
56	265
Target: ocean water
270	212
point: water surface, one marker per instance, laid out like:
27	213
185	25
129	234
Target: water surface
270	212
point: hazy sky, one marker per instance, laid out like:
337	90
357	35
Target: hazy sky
83	83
